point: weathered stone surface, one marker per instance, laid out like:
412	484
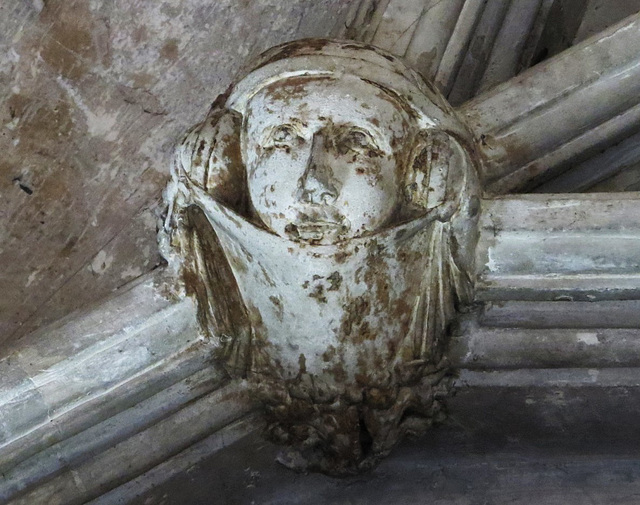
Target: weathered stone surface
129	380
557	445
601	14
554	116
94	96
560	247
550	356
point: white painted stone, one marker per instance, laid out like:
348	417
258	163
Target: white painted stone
107	386
554	247
97	380
588	338
340	276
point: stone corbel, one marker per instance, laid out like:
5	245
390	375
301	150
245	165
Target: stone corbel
327	216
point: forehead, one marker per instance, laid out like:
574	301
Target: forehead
341	100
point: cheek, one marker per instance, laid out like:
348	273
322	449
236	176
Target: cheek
369	191
271	183
370	177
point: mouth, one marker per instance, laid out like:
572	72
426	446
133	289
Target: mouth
313	228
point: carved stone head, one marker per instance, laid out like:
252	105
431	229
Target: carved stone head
324	217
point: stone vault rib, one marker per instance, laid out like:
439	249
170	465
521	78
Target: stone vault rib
534	126
129	380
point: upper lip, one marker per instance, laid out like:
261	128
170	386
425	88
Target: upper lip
318	224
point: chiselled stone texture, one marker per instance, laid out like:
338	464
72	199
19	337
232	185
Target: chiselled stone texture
94	95
324	216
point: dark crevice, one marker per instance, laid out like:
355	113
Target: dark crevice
366	440
23	187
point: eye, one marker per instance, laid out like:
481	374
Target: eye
360	142
358	139
283	136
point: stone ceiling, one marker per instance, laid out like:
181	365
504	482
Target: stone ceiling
95	94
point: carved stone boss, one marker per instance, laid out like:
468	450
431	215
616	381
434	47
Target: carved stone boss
324	215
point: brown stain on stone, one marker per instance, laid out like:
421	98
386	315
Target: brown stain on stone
221	313
293	87
43	130
364	333
341	256
139	34
68	46
352	328
41	126
329	354
401	308
376	277
426	60
232	151
68	247
506	152
396	100
318	294
338	372
221	157
142	80
169	50
237	263
302	363
335	280
290	49
278	306
17	105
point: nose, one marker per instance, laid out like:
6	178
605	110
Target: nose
316	186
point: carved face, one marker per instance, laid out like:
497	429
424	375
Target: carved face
324	157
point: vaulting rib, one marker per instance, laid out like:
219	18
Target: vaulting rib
559	112
559	247
559	278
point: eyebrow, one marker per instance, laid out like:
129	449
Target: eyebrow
375	132
361	121
270	126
